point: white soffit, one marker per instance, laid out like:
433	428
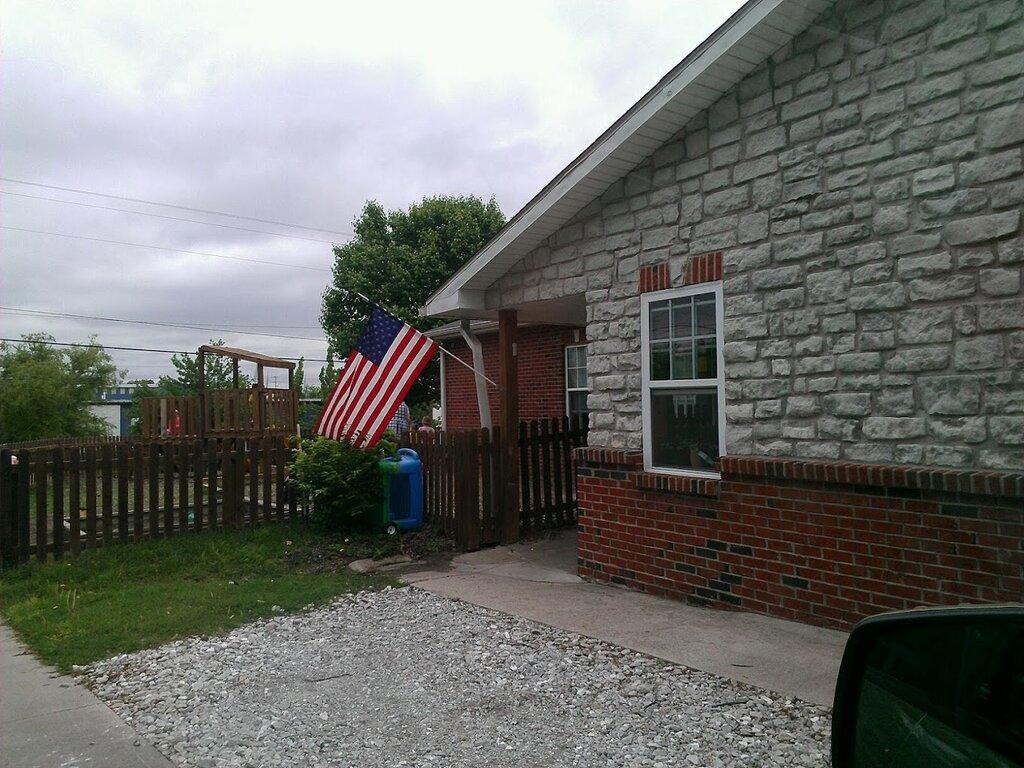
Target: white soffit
732	52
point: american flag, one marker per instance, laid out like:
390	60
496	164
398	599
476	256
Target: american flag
388	358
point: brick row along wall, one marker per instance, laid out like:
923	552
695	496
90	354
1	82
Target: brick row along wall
824	543
541	355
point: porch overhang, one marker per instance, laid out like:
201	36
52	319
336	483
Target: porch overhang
565	310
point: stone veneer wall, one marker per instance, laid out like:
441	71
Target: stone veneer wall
866	189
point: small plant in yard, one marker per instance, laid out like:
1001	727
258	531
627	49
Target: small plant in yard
344	484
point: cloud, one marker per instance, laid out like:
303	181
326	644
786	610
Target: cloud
290	112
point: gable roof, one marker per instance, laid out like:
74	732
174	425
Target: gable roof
733	51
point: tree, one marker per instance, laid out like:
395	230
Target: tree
398	259
328	374
219	374
45	391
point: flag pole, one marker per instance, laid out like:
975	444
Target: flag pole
441	349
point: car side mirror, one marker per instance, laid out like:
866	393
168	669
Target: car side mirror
933	687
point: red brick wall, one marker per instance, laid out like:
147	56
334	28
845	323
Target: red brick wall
823	552
541	355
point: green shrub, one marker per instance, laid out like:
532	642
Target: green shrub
344	484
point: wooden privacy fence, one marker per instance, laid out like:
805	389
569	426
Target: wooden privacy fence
464	479
63	499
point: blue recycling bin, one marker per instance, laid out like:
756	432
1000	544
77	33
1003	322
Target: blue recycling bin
405	492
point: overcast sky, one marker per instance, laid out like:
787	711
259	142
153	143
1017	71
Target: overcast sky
291	112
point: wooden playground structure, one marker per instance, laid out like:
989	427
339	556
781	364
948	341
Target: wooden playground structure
260	411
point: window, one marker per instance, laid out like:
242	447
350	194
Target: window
683	379
576	387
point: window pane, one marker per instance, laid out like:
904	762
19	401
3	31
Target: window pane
577	403
659	320
571	381
684	429
581	377
682	317
682	359
705	317
707	359
660	370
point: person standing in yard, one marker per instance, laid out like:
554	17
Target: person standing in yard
401	422
426	426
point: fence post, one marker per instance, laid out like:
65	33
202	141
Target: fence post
107	477
560	513
168	467
154	490
75	500
227	472
197	484
473	486
23	502
90	496
8	504
499	483
293	496
124	469
39	476
58	503
211	484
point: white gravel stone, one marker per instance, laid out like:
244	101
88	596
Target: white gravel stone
405	678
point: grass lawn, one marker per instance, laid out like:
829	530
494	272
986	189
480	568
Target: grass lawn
124	598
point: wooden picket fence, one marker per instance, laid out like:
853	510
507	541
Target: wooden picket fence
49	442
63	499
464	480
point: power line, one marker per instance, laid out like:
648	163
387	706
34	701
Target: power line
176	207
134	349
163	216
48	313
164	248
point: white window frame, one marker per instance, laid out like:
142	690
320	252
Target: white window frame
565	371
647	385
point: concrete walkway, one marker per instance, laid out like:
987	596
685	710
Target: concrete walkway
537	580
48	720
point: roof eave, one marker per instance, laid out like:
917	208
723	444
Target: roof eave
446	301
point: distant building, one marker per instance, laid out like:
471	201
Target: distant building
112	405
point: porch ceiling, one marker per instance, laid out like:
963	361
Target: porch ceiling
732	52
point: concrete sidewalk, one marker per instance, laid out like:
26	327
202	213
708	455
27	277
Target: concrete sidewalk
537	580
48	720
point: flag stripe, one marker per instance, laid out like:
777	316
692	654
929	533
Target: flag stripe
371	386
339	396
358	367
363	368
402	389
378	374
335	396
383	406
394	365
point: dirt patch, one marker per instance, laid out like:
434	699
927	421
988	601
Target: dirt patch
334	552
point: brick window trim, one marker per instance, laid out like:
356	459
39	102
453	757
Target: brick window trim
979	483
702	268
705	268
655	277
688	486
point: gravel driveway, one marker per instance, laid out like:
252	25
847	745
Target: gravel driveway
404	678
